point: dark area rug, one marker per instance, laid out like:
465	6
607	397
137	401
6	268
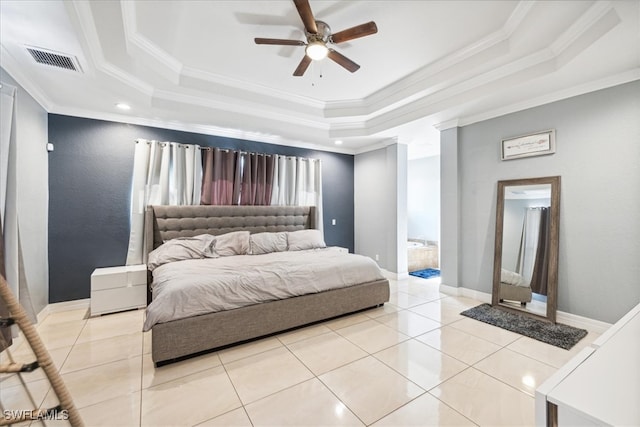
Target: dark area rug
427	273
560	335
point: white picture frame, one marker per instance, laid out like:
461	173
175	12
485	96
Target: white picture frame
534	144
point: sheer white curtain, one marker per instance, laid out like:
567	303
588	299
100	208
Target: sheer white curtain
298	182
529	243
11	260
164	173
6	269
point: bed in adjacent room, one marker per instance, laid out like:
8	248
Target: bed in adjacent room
220	275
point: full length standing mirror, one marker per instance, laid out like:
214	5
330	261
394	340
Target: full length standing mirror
525	267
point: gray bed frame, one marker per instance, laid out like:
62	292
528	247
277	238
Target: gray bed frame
179	338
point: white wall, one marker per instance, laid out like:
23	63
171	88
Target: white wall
423	198
32	192
598	159
380	200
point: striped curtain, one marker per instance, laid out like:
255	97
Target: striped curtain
257	179
221	180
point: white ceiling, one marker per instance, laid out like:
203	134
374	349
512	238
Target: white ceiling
193	65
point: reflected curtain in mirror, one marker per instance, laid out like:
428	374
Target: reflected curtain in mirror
532	257
526	246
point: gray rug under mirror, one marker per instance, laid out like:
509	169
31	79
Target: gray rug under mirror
557	334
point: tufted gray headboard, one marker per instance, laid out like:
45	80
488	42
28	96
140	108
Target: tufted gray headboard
169	222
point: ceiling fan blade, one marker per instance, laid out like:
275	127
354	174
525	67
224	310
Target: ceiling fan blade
342	60
304	10
285	42
355	32
302	67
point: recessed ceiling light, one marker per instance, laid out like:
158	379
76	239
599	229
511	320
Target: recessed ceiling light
123	106
338	142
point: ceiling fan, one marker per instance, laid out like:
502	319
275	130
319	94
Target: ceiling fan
318	34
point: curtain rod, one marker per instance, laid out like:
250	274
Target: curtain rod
225	150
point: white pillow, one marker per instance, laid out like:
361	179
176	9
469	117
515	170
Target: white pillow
234	243
512	278
264	243
182	248
305	239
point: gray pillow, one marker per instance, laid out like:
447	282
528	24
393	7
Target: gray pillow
305	239
182	248
264	243
234	243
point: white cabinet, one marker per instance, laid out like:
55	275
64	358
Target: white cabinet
118	288
601	385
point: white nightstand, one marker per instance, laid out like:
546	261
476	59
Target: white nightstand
118	288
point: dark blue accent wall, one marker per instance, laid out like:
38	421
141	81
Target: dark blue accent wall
90	188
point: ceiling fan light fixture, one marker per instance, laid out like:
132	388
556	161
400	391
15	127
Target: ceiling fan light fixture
317	50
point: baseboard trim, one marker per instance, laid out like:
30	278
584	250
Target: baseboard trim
449	290
477	295
574	320
58	307
394	276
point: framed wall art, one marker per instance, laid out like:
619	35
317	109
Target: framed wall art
536	144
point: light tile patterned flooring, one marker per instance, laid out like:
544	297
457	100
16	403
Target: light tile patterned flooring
414	362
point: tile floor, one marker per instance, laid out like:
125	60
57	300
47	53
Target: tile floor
413	362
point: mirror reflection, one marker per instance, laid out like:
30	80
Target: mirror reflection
526	246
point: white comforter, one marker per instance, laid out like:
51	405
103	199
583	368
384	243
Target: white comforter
193	287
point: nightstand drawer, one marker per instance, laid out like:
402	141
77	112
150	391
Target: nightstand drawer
118	299
117	277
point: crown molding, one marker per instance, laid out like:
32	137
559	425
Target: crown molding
418	82
81	17
176	72
449	124
138	45
199	128
213	83
618	79
11	67
582	25
226	106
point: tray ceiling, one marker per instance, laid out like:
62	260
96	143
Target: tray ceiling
193	65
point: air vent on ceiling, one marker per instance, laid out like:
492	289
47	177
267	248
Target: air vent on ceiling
55	59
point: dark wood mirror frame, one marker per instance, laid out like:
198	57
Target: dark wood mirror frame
554	216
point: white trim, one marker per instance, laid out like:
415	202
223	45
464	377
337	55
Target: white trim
583	24
394	276
449	290
135	43
59	307
199	128
574	320
77	304
16	73
581	89
449	124
477	295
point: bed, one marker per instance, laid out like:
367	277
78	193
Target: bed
513	287
175	339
